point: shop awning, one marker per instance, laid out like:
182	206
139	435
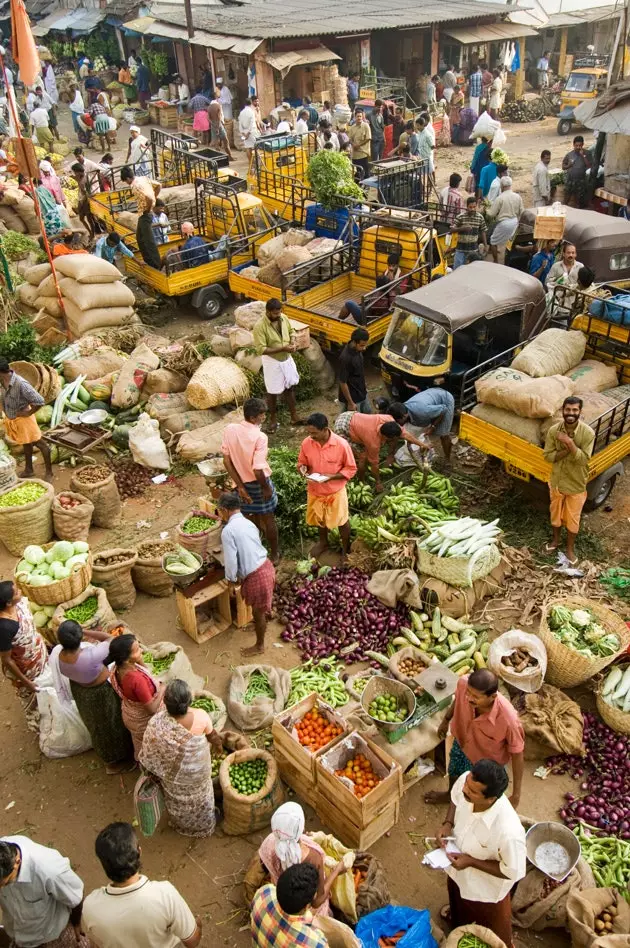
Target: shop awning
300	57
150	26
489	33
79	19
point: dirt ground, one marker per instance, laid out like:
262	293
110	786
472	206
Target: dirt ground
65	803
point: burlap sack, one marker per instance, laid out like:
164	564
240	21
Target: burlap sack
231	741
260	713
94	366
163	381
594	405
128	385
374	893
612	941
81	323
47	287
552	719
27	294
483	934
268	251
187	421
322	245
592	376
240	338
221	345
248	314
49	305
409	651
147	573
105	497
12	196
526	428
200	444
36	274
292	257
392	586
12	220
28	523
539	903
96	295
28	215
271	274
336	933
256	876
296	237
115	578
178	193
103	617
517	392
73	523
86	268
108	379
552	352
180	667
583	907
247	814
249	361
161	405
532	677
128	219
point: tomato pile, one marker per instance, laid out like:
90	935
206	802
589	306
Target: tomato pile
359	770
315	731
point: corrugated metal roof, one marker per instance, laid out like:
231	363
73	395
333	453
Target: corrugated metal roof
489	33
300	57
577	17
288	18
78	19
149	26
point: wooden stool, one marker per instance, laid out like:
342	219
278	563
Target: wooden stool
212	589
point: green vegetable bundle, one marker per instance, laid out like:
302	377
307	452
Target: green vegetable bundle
608	857
15	246
471	941
331	177
159	665
320	677
291	489
258	687
198	524
84	611
24	494
206	704
181	562
248	777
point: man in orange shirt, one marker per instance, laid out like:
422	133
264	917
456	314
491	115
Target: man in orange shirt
485	726
367	434
67	244
327	461
245	449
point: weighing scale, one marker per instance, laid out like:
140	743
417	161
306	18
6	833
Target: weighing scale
434	689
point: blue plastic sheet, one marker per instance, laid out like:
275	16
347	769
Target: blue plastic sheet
387	921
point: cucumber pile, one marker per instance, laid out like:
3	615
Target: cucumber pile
457	644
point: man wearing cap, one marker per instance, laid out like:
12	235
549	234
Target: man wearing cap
225	98
19	402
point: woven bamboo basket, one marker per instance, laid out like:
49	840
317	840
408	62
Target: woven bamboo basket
565	668
29	371
29	523
459	570
63	589
217	381
618	720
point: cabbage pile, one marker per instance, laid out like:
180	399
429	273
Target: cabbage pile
41	614
579	630
40	568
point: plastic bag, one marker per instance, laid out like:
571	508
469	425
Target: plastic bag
392	919
485	127
146	445
62	733
499	139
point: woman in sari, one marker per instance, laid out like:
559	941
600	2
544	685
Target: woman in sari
175	750
454	112
96	701
23	651
50	210
287	845
140	695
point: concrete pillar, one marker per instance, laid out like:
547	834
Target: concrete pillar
435	49
562	58
519	83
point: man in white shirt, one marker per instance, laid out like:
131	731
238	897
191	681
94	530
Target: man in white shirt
565	271
541	180
248	127
489	853
40	895
449	81
301	126
225	98
542	68
77	106
132	911
183	95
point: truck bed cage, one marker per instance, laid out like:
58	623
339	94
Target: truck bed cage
401	183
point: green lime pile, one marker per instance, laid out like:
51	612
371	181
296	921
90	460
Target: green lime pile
249	776
388	708
217	759
198	524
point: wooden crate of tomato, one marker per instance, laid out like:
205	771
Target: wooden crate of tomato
305	730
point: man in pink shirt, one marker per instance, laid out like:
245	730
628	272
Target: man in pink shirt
327	461
367	434
245	449
485	726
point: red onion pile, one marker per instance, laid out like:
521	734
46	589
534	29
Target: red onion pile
325	617
606	783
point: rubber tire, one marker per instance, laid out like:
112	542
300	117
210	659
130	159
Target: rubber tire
564	127
602	496
210	307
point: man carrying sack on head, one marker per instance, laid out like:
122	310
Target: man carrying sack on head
568	448
19	402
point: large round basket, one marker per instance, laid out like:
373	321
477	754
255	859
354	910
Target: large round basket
618	720
63	589
28	371
565	668
29	523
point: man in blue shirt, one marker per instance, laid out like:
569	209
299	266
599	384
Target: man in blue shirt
432	410
108	246
353	91
542	262
486	177
143	82
475	82
313	116
195	250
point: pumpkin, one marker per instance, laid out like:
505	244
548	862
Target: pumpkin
101	392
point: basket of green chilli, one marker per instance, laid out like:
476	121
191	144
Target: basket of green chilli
213	706
199	533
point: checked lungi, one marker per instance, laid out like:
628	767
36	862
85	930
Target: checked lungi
259	506
257	588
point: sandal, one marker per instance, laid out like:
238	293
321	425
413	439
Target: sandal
550	548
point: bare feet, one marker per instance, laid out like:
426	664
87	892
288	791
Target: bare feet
437	796
318	549
253	650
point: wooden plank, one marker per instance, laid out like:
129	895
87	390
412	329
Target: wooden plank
335	820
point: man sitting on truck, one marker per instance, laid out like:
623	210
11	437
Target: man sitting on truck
195	250
568	448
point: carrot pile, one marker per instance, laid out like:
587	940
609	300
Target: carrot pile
359	770
315	731
359	876
390	941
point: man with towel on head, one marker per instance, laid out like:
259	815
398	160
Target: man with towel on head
19	402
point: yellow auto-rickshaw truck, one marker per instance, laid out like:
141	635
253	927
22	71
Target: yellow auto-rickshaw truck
525	460
232	221
587	80
439	332
277	173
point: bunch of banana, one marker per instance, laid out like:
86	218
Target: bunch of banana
375	531
360	495
405	501
440	488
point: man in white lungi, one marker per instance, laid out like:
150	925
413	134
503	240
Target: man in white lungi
274	338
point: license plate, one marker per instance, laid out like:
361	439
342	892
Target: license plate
515	471
386	376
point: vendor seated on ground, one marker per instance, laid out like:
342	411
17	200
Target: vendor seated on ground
353	311
66	242
367	434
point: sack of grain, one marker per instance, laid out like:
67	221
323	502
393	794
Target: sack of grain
619	393
25	210
47	287
11	196
526	428
96	295
553	352
86	268
162	405
268	251
50	306
128	219
295	237
188	421
128	385
240	338
292	257
9	217
315	355
27	294
247	315
163	381
528	397
35	275
250	273
94	366
271	274
204	442
322	245
111	571
249	361
99	486
220	345
178	194
594	404
80	323
217	382
147	573
593	376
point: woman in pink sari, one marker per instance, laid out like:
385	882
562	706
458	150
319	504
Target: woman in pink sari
140	695
50	180
23	652
287	845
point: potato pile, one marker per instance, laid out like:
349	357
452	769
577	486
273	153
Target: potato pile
604	921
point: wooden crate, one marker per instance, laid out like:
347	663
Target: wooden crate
299	757
168	116
336	821
294	777
548	226
360	813
302	334
154	114
212	595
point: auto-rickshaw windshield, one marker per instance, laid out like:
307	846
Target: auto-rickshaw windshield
580	82
255	220
416	339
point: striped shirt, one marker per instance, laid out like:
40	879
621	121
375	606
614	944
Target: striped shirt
18	396
475	225
271	928
474	85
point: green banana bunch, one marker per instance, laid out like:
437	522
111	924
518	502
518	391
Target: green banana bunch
360	496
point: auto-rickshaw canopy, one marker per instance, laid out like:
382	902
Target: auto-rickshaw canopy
602	241
472	292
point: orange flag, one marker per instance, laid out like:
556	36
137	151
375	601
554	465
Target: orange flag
23	43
